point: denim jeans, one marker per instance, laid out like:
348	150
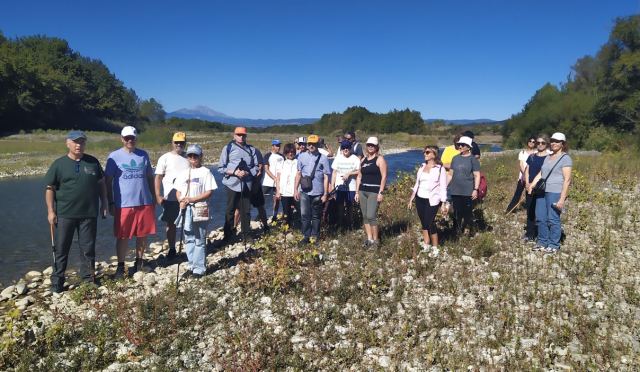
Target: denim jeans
548	220
311	211
195	246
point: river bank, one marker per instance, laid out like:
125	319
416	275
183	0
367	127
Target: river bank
486	302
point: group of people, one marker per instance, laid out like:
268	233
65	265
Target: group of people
545	177
307	180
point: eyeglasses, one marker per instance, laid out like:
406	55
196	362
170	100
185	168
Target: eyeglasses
193	155
541	143
370	145
531	140
311	144
555	141
180	143
129	138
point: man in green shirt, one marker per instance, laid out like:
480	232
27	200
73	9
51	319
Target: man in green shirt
74	184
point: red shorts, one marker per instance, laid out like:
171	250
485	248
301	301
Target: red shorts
134	221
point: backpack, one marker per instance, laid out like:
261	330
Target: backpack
249	151
482	188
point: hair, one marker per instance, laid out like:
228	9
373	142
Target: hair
435	151
532	138
289	147
457	138
565	146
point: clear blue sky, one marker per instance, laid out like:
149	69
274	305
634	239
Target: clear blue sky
303	58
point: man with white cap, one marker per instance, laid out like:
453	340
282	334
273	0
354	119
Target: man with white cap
169	166
74	184
130	189
239	165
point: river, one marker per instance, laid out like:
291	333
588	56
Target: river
24	230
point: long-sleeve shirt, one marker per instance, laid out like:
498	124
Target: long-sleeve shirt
432	185
237	155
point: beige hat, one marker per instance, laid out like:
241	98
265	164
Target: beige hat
129	131
559	137
372	141
465	141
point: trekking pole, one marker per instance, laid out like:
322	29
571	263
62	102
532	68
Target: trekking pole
184	215
53	247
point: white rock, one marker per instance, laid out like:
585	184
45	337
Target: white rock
48	271
467	259
149	280
384	361
600	305
24	302
528	343
7	293
21	287
138	277
495	275
297	339
31	275
265	301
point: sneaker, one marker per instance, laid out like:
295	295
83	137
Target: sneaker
538	247
374	243
119	272
425	247
367	242
550	250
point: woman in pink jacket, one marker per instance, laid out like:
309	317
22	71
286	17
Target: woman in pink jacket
430	193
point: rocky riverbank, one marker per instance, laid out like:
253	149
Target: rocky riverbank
480	303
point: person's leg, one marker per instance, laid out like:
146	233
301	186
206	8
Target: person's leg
468	214
122	248
170	212
542	220
349	209
432	211
531	232
457	204
276	204
555	228
245	209
421	208
190	245
198	263
141	243
64	237
87	243
340	209
229	223
372	211
516	197
287	209
305	213
363	210
316	215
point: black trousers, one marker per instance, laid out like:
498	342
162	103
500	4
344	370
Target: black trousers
427	214
86	230
242	202
288	208
516	196
532	228
462	212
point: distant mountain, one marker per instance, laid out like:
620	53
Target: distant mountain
466	121
206	113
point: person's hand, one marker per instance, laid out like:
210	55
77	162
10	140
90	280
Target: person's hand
324	198
560	204
112	210
103	211
53	219
527	187
379	198
159	199
474	195
184	202
278	195
296	195
410	204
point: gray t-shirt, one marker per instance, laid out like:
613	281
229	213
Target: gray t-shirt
555	180
462	181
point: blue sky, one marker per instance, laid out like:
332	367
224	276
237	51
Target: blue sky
286	59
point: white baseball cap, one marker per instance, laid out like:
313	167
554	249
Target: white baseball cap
559	137
466	141
129	131
372	141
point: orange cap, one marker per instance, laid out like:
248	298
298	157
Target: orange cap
240	130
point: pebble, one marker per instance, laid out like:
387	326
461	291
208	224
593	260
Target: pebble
21	287
467	259
384	361
138	277
149	280
48	271
33	275
7	293
495	275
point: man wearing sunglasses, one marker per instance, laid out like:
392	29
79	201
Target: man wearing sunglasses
169	166
130	189
74	184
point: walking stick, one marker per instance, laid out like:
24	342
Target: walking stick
53	247
184	215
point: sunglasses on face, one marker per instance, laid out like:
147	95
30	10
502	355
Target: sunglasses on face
192	156
530	141
541	143
311	144
179	143
129	138
555	141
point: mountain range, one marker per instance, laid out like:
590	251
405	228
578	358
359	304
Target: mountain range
209	114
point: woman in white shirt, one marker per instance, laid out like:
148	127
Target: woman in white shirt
429	192
285	181
195	186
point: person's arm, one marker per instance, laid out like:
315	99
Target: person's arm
296	183
526	178
332	184
49	198
414	190
267	170
566	181
104	203
382	164
108	181
358	181
476	185
534	182
325	183
277	180
158	188
151	182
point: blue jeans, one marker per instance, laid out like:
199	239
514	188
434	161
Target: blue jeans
548	220
311	211
195	241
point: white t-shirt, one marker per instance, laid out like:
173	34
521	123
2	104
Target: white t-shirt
288	177
343	166
201	180
275	163
171	165
323	151
523	155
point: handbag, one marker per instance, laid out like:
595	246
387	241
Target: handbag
200	211
541	185
306	182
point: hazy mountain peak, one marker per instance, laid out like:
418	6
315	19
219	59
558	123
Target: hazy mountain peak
202	111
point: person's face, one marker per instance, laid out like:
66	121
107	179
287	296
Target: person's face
129	142
275	148
429	154
76	147
349	138
240	138
290	155
541	144
464	148
302	147
371	148
346	152
312	147
178	146
531	143
555	145
194	160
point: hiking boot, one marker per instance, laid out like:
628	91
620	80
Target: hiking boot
119	272
171	255
367	243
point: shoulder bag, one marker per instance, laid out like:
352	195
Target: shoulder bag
539	188
306	182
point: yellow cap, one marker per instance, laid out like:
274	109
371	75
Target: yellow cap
313	139
179	137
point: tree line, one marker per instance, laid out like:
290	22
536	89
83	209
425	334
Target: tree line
598	107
